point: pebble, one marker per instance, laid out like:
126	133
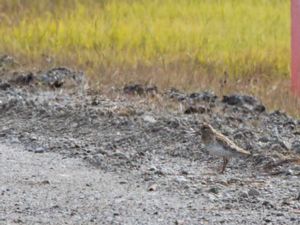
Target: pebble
198	191
39	150
149	119
179	222
214	190
296	146
153	187
228	206
180	179
244	194
268	204
253	192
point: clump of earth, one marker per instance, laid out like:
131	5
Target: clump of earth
73	155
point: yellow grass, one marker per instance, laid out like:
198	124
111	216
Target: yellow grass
183	43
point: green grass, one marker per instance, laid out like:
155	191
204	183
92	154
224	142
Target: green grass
189	44
240	37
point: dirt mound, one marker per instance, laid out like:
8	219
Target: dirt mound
152	137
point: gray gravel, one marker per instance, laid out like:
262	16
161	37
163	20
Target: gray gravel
70	155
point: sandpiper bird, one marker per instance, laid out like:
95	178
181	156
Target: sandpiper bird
219	145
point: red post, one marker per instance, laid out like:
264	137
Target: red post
295	46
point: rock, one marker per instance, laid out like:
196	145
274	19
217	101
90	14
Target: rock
151	90
203	96
39	150
233	100
139	89
214	190
153	187
253	192
267	220
179	222
184	172
7	60
58	76
149	119
24	79
243	194
4	86
120	155
198	191
249	102
175	94
264	139
260	108
289	172
296	146
228	206
268	204
180	179
195	109
153	168
45	182
134	89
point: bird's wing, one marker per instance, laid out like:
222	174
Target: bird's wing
226	141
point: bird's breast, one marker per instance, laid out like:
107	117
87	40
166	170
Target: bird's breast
218	150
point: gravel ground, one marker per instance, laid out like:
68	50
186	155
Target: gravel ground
70	155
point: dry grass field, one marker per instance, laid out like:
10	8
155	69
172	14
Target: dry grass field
188	44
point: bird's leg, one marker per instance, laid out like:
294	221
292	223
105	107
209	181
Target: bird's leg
225	162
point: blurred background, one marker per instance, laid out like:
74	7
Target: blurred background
223	46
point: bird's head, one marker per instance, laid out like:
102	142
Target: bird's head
207	133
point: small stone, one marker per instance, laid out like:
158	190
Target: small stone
33	138
232	100
134	89
24	79
267	220
214	190
149	119
195	109
180	179
39	150
198	191
253	192
159	172
120	155
228	206
204	96
152	168
289	172
4	86
153	187
45	182
260	108
296	146
184	172
267	204
285	202
179	222
151	90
